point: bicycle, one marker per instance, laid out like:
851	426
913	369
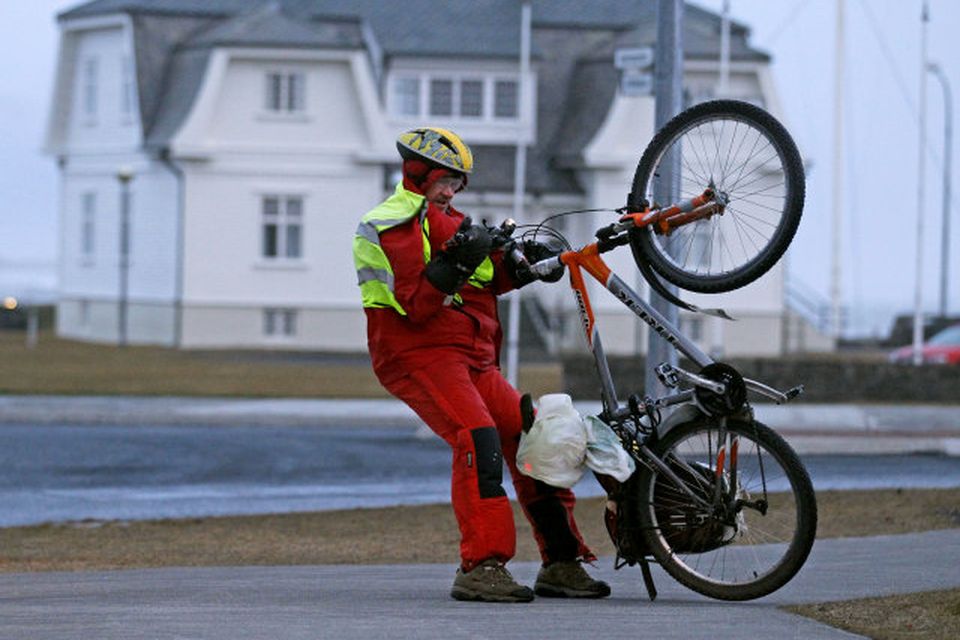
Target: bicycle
719	499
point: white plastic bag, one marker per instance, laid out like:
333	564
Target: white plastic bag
605	454
554	450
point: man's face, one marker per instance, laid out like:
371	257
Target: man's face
441	192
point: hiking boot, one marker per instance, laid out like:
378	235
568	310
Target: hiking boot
568	579
489	581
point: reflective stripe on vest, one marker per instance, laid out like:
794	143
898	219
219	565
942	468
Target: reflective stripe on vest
374	273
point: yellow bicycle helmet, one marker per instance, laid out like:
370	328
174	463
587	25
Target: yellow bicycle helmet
439	146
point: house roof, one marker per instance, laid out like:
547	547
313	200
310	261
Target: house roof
269	25
576	77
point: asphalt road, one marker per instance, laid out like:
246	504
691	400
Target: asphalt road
411	601
115	472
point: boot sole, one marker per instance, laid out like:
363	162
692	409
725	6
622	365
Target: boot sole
467	595
548	591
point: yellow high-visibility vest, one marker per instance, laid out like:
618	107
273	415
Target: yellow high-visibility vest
374	273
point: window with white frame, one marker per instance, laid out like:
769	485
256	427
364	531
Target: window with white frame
126	88
279	322
506	99
90	79
468	96
471	98
285	92
88	224
406	93
441	97
282	226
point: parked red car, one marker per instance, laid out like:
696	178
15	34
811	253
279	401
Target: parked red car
941	348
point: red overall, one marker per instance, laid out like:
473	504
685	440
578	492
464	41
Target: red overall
443	361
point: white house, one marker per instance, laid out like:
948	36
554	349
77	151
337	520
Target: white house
255	134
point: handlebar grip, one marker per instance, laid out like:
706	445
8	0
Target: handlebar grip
516	254
605	233
546	267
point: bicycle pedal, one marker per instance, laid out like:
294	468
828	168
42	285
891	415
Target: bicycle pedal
793	393
667	375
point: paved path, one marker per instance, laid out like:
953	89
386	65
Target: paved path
411	601
810	428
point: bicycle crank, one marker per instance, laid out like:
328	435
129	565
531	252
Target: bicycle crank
734	395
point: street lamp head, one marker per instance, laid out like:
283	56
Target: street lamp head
125	174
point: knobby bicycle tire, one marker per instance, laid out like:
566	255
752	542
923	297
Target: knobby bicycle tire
743	554
747	155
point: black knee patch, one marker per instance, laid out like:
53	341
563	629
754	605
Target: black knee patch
527	412
486	443
550	517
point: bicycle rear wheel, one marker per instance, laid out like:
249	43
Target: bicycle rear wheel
751	542
750	160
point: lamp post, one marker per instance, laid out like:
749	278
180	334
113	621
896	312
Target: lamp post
124	176
938	73
519	184
921	180
668	88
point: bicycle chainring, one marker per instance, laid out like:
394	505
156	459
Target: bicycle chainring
731	401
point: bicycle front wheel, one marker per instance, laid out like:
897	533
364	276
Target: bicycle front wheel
749	159
752	522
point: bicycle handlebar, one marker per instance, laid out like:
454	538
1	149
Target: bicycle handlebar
502	237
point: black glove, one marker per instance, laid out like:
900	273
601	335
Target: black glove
537	251
532	251
462	254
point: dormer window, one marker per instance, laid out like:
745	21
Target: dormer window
285	92
471	96
441	97
407	96
506	99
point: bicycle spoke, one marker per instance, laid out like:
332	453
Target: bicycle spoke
739	213
752	163
736	554
746	161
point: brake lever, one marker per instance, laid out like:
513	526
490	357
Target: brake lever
503	234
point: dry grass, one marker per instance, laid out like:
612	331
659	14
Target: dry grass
378	536
933	615
63	367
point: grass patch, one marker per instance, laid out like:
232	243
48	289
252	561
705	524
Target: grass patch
933	615
378	536
64	367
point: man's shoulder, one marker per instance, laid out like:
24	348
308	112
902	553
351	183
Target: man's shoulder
395	210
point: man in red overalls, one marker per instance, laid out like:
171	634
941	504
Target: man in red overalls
429	282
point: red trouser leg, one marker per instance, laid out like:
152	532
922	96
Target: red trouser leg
549	509
460	404
446	398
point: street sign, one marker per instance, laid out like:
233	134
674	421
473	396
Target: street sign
636	83
633	58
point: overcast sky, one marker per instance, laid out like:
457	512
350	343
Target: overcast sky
881	140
